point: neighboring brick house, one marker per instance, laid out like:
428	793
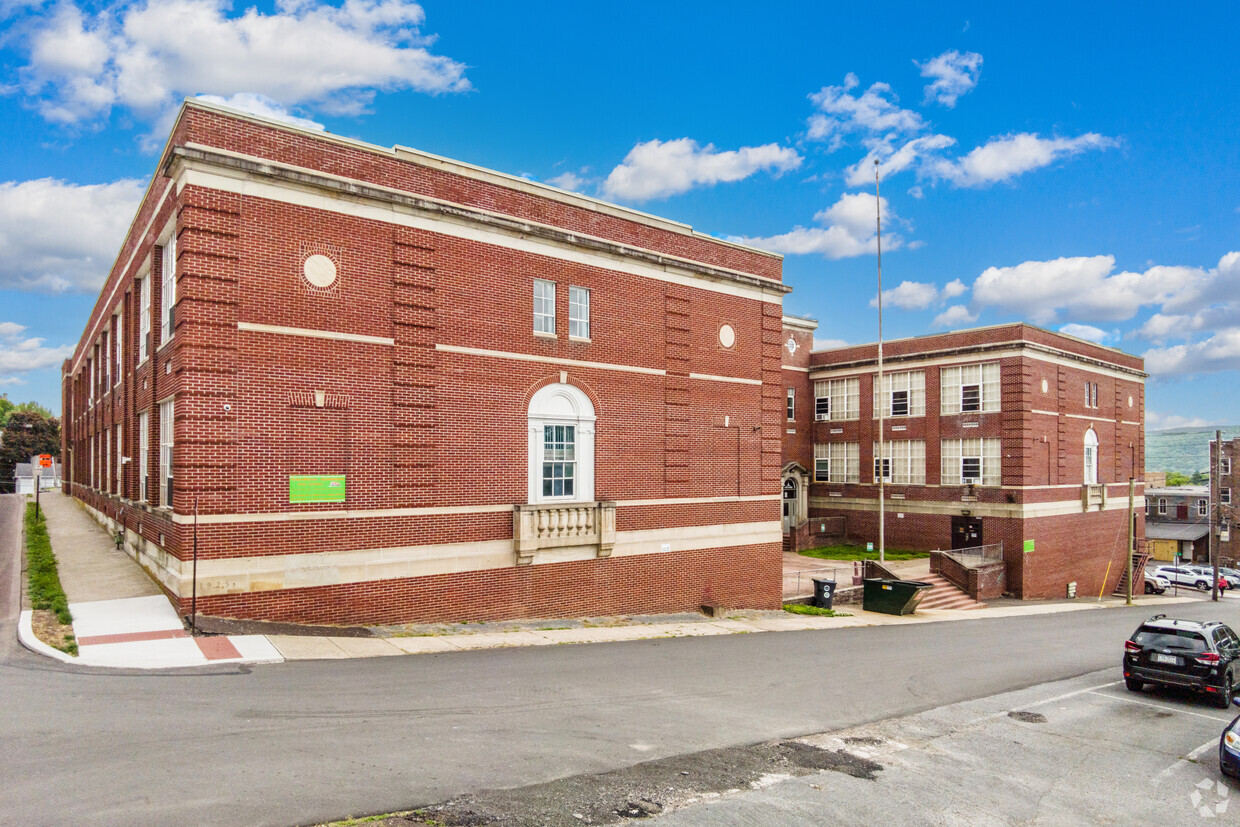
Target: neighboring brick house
374	385
1224	486
1177	523
1009	434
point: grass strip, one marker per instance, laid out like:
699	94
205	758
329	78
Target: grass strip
806	609
850	552
44	580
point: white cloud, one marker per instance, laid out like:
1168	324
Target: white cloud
19	355
892	162
568	181
1085	331
56	236
1219	352
874	110
955	316
829	344
1013	155
657	169
147	57
262	105
917	295
954	74
848	229
1155	421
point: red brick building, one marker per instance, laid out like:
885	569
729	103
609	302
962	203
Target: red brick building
1223	489
377	385
1008	434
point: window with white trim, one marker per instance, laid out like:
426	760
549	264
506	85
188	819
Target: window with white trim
975	461
578	313
1162	506
105	452
561	445
1091	394
1091	457
168	294
904	461
904	394
969	388
544	307
792	404
837	400
144	327
1203	508
120	464
166	417
1224	496
94	483
838	462
107	362
144	454
1224	465
120	346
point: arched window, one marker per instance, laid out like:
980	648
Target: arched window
1091	457
561	446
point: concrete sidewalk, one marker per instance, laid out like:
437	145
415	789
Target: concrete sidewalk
122	619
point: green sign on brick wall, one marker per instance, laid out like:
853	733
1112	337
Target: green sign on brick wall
316	488
1028	546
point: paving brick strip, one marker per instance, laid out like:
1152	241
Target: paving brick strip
123	619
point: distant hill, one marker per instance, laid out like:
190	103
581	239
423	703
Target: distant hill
1186	450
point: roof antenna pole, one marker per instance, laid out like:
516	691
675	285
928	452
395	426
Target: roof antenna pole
882	397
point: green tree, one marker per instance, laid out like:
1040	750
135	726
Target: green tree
27	434
1175	478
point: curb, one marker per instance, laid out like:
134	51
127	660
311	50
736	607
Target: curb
26	635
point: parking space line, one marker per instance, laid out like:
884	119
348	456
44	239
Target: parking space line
1164	707
1004	713
1185	761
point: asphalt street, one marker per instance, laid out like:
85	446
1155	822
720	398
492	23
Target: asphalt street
307	742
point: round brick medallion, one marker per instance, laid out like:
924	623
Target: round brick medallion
319	270
727	336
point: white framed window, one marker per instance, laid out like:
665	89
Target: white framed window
1224	496
1162	506
144	454
106	356
1091	394
93	482
144	325
838	462
792	404
544	307
837	400
1091	457
1203	508
1224	465
105	451
167	411
969	388
561	445
94	382
120	347
168	289
120	464
975	461
904	394
903	462
578	313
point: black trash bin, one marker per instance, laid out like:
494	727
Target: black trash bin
824	593
893	597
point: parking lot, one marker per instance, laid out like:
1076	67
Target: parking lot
1080	751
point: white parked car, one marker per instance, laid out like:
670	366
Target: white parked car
1225	580
1185	576
1156	584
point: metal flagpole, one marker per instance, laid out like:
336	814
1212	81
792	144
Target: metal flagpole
882	502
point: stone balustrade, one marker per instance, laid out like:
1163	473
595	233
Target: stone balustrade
537	527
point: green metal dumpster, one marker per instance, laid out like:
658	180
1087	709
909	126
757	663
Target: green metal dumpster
893	597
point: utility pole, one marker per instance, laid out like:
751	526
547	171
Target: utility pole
882	398
1132	498
1216	507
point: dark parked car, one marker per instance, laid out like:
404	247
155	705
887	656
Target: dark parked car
1199	656
1229	747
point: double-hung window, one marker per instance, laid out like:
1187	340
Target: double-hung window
1162	506
544	307
1203	508
120	465
166	413
792	404
838	462
561	445
903	462
1091	394
904	394
107	363
1091	457
144	454
1224	496
559	470
969	388
837	400
168	289
1224	465
144	328
578	313
970	461
120	347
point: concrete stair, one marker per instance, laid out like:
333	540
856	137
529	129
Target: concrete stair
943	595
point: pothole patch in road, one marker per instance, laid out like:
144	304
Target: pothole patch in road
1027	717
864	741
815	758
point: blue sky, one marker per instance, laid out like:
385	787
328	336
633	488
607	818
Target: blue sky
1072	165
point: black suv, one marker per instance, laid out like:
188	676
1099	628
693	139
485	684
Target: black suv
1189	653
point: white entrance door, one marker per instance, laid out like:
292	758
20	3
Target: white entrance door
790	505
